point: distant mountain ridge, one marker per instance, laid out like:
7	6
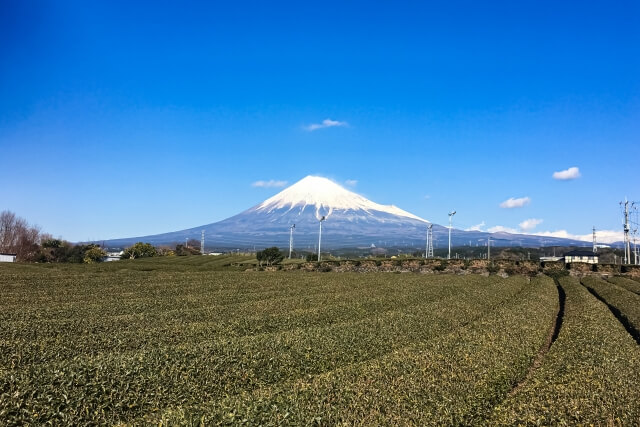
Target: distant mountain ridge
351	221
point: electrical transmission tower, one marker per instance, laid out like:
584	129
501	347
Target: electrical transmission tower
202	243
291	239
595	244
429	249
634	231
627	240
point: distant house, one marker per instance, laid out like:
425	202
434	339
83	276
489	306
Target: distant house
588	257
112	256
7	257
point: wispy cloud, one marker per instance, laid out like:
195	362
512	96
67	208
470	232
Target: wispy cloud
351	182
326	123
571	173
427	196
501	229
529	224
602	236
515	203
269	184
477	227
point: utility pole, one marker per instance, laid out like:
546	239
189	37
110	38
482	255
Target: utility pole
320	236
426	245
451	214
595	244
202	243
291	239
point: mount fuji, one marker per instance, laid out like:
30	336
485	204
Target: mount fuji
350	221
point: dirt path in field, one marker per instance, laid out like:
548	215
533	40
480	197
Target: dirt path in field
635	333
554	331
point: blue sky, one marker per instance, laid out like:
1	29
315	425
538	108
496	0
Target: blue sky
119	120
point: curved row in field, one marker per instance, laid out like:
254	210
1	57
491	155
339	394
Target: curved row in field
115	385
157	323
623	304
590	375
624	282
455	378
91	345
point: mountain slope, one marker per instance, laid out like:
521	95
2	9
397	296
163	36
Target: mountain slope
350	221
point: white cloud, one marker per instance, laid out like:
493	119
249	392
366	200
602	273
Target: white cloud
326	123
529	224
571	173
351	182
477	227
269	184
501	229
515	203
602	236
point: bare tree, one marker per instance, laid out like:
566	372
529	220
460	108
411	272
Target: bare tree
17	236
8	229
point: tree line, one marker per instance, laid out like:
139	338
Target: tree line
30	244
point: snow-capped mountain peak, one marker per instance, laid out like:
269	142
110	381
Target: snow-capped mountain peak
326	196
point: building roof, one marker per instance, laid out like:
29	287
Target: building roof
5	253
581	253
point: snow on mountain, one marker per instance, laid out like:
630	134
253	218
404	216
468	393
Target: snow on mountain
326	196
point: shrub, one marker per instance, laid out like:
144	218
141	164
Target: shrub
270	256
93	254
139	250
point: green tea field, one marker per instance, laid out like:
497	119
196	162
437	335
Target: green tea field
186	341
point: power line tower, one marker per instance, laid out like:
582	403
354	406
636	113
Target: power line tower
291	239
634	232
595	244
626	228
202	243
429	248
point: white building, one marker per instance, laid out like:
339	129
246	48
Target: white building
7	257
588	257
